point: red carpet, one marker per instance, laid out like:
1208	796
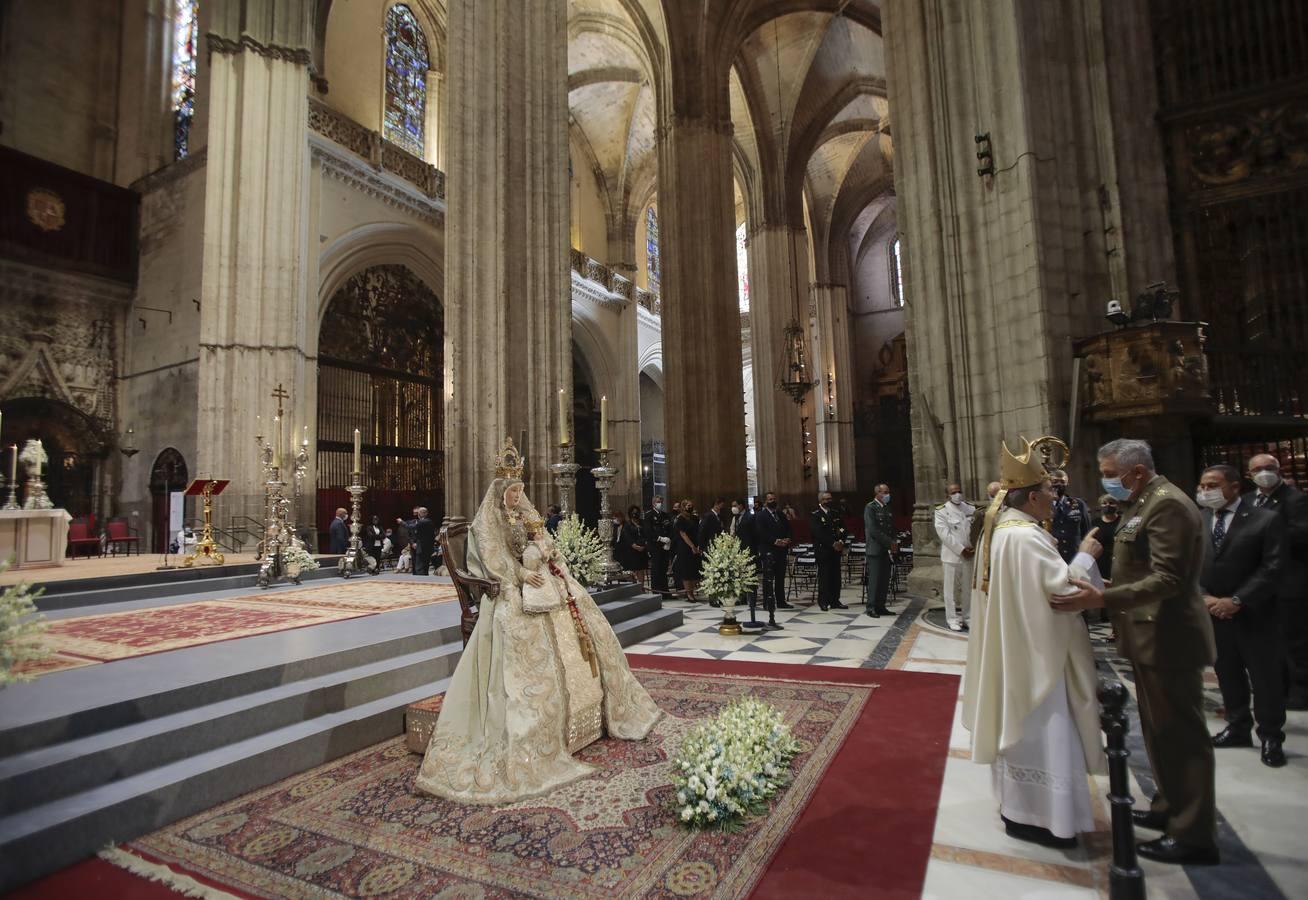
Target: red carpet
865	832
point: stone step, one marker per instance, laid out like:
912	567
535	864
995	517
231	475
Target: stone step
86	592
141	774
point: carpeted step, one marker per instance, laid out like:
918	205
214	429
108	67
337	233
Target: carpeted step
45	774
82	592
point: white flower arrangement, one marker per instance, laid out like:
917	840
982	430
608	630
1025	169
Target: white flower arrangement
730	767
297	558
20	626
728	571
581	549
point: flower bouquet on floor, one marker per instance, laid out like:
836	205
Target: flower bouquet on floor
728	768
20	630
581	549
727	573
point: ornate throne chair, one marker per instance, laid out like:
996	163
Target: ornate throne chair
453	538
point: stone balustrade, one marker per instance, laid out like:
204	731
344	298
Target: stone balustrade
380	153
613	282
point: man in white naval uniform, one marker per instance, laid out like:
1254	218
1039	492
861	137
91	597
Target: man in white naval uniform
953	521
1029	688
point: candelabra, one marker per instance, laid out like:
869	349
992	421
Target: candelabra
565	476
36	497
266	467
604	475
279	534
356	558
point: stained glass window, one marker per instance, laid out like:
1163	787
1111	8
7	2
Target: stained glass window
742	268
406	79
896	275
185	37
653	264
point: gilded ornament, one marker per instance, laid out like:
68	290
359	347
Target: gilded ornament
45	209
509	462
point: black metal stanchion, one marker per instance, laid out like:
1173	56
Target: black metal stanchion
1125	879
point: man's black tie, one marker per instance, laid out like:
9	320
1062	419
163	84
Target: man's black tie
1260	500
1219	530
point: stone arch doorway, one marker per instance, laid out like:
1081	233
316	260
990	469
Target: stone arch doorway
380	368
75	444
168	475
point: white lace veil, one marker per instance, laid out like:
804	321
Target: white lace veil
489	548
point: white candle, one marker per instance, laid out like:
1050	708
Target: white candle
358	451
604	423
306	435
563	417
277	441
258	427
13	464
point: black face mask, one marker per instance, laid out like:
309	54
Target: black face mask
772	504
1060	490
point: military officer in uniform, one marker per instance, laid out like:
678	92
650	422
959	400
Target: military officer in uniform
1164	629
656	529
953	521
879	538
829	541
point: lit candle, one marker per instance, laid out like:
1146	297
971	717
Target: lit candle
563	418
258	428
277	442
13	464
358	451
306	435
604	423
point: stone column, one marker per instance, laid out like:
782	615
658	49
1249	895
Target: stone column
835	406
1001	271
704	409
434	132
507	291
778	264
624	402
255	313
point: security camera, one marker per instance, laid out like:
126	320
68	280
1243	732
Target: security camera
1115	314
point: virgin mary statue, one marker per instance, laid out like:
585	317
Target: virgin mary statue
543	674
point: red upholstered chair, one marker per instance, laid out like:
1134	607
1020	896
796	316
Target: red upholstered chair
81	536
453	538
122	534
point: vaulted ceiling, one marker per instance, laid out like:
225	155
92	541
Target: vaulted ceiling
807	97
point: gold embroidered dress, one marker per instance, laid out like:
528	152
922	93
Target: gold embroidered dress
524	697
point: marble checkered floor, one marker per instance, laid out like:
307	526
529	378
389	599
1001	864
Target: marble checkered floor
839	637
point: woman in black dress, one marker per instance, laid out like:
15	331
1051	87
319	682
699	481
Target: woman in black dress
686	562
632	552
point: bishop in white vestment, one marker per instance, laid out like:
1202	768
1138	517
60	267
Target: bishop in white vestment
1030	687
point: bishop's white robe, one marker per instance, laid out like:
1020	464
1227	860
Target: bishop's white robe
1029	690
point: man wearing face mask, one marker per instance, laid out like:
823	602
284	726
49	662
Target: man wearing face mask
953	522
774	540
1292	506
1071	517
1165	630
879	544
656	529
829	540
1240	580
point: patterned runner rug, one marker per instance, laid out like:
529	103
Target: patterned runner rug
87	640
357	828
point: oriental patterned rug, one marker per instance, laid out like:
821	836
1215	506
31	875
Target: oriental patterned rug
357	828
86	640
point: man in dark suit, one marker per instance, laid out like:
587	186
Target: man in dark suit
553	516
424	541
340	533
1164	629
879	537
774	540
710	527
829	541
656	529
1292	506
1240	580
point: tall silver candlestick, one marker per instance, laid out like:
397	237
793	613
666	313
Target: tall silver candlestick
604	475
355	558
12	502
279	536
565	476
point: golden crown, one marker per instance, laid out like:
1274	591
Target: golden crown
534	524
1017	470
509	462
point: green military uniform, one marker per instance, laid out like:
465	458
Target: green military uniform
1165	630
878	536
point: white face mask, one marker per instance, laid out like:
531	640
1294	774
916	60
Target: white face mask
1210	499
658	505
1267	479
956	497
735	510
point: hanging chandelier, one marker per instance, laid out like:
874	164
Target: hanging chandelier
796	382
